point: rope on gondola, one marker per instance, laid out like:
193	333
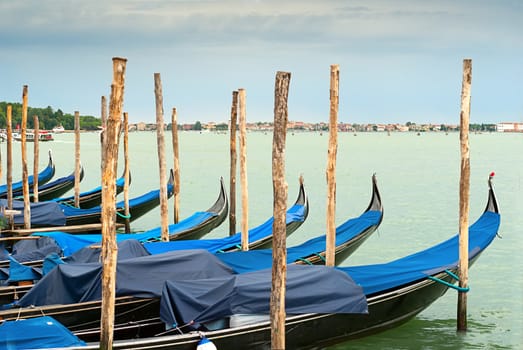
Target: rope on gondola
123	216
450	285
305	261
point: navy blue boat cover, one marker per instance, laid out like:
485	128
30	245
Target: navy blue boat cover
34	249
242	261
127	249
36	333
43	213
203	301
309	289
142	277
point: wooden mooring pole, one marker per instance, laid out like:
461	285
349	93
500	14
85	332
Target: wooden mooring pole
161	157
331	166
127	212
9	176
279	251
77	164
233	157
36	156
464	193
25	176
243	171
102	134
176	154
109	247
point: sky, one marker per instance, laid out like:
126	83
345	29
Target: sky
400	61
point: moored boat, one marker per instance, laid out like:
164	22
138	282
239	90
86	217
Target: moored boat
395	292
83	316
43	177
58	129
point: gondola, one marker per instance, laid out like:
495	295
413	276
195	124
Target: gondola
53	189
91	198
31	253
259	237
349	236
138	207
134	313
50	214
43	177
395	292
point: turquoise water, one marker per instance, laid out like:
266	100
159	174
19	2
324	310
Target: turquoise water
418	178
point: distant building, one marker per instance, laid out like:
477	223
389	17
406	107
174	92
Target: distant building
509	127
141	126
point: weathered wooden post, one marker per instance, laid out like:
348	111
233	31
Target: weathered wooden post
243	171
331	167
176	153
102	133
161	156
9	177
77	163
279	251
36	156
126	173
25	176
109	247
464	193
233	155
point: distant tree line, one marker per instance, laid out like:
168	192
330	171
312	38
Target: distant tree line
47	118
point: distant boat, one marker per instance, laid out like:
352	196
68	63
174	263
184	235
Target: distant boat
43	136
58	129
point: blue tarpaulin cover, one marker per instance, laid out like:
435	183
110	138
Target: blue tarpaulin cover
151	195
44	176
45	186
36	333
380	277
42	214
295	214
309	289
69	243
128	244
262	258
119	183
19	272
141	277
204	301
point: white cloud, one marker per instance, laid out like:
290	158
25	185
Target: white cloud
385	48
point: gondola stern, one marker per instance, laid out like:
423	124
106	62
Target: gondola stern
492	203
221	206
375	202
303	199
82	173
51	164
